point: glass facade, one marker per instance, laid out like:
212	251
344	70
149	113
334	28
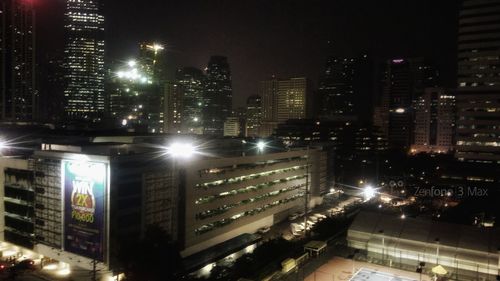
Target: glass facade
478	97
84	60
218	96
192	81
18	94
254	115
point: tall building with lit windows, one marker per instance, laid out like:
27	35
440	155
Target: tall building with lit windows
218	96
17	60
136	99
152	60
434	121
174	96
84	60
192	83
478	96
253	115
283	99
403	81
346	88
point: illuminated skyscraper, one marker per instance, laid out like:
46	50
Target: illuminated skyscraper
403	81
218	96
17	60
478	96
283	99
192	83
336	87
434	121
152	60
346	88
84	60
173	107
254	115
136	100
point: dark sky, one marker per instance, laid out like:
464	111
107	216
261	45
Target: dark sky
266	37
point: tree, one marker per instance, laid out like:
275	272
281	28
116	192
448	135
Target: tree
153	258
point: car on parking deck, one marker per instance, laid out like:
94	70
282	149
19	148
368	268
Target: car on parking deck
264	229
26	264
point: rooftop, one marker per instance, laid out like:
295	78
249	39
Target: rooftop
427	231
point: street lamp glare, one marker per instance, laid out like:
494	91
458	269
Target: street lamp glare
261	145
181	150
369	192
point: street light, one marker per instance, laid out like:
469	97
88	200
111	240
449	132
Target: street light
369	192
181	150
261	145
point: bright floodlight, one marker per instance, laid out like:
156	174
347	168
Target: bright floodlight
131	63
369	192
181	150
158	47
261	145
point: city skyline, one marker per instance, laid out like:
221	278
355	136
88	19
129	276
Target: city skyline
224	140
293	45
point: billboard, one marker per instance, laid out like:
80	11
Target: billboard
84	205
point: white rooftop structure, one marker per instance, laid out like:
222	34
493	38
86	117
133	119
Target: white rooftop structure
409	241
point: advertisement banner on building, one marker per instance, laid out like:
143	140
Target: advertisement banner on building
84	189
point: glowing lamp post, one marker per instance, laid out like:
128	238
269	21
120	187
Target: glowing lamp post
368	192
181	150
261	146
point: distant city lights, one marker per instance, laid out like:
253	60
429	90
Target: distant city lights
133	74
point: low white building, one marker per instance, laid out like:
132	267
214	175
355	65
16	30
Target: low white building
466	252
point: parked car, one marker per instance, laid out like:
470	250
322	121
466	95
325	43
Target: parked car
25	265
320	217
313	219
264	229
300	214
293	217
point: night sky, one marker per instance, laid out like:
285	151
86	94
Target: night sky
266	37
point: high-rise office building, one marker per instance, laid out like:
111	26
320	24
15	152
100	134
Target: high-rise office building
173	107
192	83
17	60
403	81
478	96
218	96
136	99
283	99
253	115
336	87
84	60
434	121
152	61
346	88
292	99
51	87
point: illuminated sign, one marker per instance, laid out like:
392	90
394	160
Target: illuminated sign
84	189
